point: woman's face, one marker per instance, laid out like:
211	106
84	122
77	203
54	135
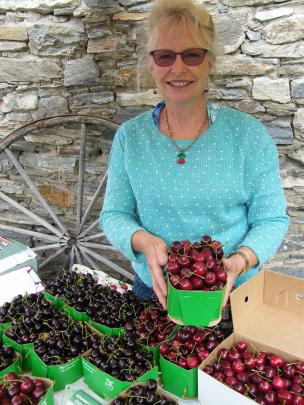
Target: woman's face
179	83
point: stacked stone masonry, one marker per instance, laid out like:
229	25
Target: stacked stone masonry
81	56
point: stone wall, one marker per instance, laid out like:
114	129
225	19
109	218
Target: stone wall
63	56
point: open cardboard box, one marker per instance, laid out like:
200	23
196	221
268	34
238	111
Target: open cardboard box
268	312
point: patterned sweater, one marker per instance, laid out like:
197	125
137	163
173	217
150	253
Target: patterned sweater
229	188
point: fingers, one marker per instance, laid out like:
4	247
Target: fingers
159	292
231	277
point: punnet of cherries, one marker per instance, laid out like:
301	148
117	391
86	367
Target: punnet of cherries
143	393
262	376
21	390
151	327
191	345
121	357
196	266
7	356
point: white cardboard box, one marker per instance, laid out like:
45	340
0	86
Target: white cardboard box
267	311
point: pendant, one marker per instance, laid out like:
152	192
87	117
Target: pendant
181	158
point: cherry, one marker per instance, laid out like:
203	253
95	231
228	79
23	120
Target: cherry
285	397
270	398
241	346
210	278
264	387
276	361
298	400
278	383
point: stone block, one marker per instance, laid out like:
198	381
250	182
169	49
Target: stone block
265	15
130	16
38	6
262	48
297	88
28	69
230	36
298	120
56	39
282	133
49	163
93	98
48	106
144	98
81	72
240	3
12	46
13	33
19	117
238	65
107	44
18	101
55	195
271	89
285	30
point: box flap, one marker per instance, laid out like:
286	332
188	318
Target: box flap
269	308
20	281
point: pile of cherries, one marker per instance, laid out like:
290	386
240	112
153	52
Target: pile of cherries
264	377
7	356
67	340
20	306
120	357
37	317
196	266
113	309
191	345
143	393
103	303
21	390
151	327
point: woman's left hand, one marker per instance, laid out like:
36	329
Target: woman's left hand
233	266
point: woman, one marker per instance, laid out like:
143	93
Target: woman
187	168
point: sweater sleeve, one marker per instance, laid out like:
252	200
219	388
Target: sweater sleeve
118	217
267	218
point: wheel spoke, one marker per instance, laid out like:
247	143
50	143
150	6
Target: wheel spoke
92	226
107	262
30	214
38	235
47	247
35	191
78	257
72	257
53	256
91	262
97	245
81	175
94	199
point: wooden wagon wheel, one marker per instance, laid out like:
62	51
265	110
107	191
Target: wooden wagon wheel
83	242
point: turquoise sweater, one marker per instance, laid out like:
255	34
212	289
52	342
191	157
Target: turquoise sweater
229	188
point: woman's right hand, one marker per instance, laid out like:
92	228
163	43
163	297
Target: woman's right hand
155	250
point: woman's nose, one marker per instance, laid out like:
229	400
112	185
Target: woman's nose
178	64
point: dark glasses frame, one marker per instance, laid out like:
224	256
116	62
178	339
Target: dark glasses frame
158	52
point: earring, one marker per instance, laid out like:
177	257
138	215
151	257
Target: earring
206	90
155	90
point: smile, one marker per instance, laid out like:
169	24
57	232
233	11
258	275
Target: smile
179	83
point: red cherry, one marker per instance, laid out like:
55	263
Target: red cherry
182	362
241	346
173	268
221	275
231	381
192	361
249	360
298	400
202	353
199	268
185	284
163	348
278	383
271	398
11	376
238	366
285	397
197	257
264	387
300	367
197	282
210	278
276	361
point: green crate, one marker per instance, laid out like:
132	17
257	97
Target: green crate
177	380
106	330
76	315
58	302
196	308
15	367
105	385
24	349
62	375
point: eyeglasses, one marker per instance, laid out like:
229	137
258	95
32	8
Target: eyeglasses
190	57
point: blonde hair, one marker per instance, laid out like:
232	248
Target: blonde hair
178	15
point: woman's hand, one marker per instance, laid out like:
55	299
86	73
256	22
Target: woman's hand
155	250
234	266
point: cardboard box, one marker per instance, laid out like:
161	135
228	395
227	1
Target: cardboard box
14	255
268	312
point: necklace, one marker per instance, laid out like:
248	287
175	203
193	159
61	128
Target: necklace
181	155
